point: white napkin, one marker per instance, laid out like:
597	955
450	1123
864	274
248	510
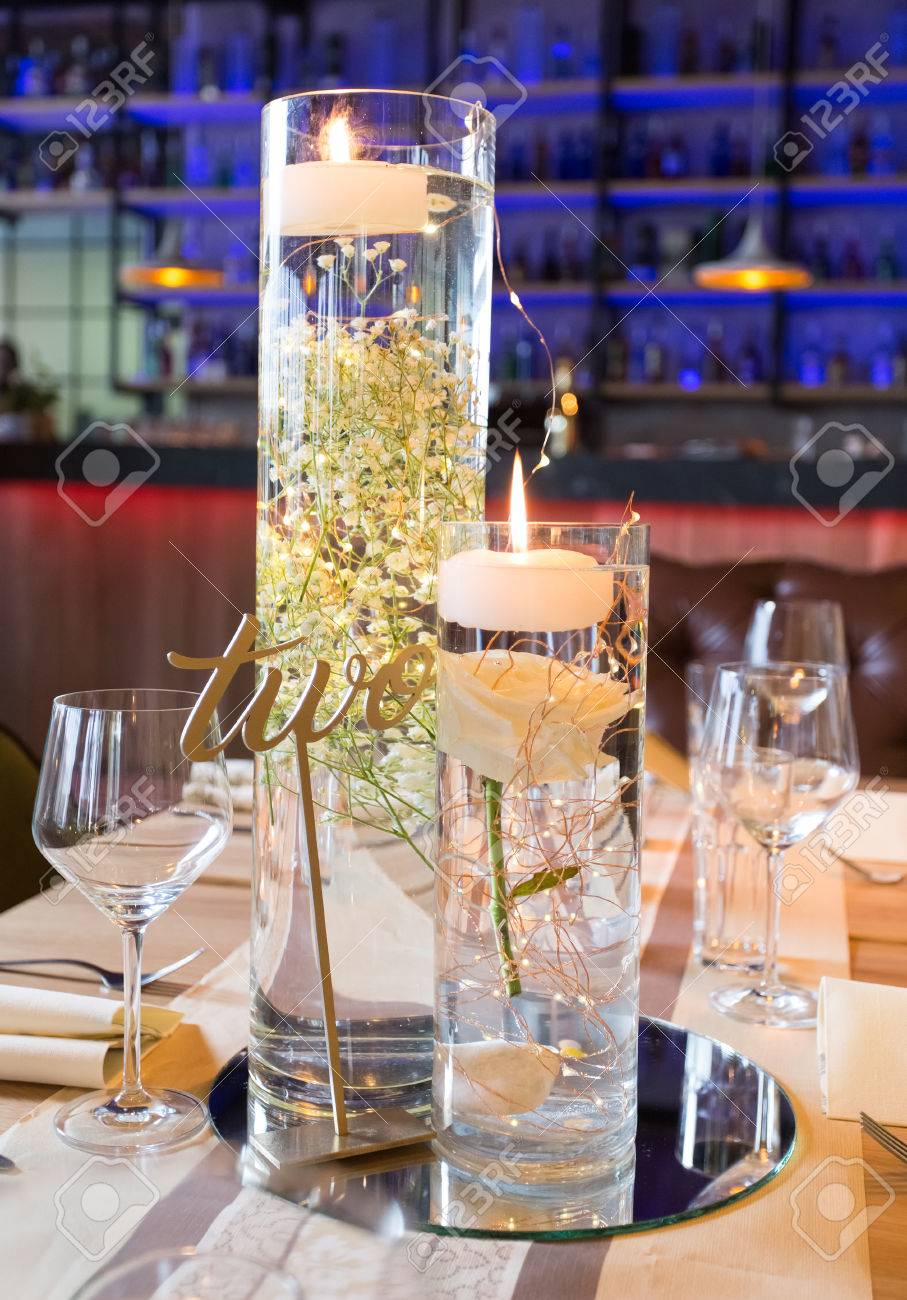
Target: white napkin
67	1038
863	1050
870	826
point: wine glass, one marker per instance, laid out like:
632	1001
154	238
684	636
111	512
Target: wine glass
116	815
781	750
788	630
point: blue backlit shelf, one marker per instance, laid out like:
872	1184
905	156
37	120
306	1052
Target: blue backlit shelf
849	293
812	85
689	189
535	194
729	392
642	94
815	191
847	393
183	202
543	292
183	110
680	291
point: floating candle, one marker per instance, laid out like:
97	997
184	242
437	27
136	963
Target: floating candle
545	590
345	195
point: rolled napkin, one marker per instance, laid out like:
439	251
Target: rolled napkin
862	1050
67	1038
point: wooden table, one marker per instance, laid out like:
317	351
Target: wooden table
217	914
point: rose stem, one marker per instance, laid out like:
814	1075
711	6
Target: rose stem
497	908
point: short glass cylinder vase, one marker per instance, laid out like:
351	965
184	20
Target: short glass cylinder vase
541	695
376	244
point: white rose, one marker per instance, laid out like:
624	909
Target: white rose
326	261
381	245
508	712
397	264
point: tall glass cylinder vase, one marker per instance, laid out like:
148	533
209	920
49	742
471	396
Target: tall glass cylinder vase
541	689
377	219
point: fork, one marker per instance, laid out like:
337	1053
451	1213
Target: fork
893	1145
110	979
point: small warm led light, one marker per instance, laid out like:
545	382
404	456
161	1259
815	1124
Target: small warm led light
569	403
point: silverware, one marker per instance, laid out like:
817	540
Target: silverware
111	979
884	1137
877	877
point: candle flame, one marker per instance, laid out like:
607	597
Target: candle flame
519	529
338	145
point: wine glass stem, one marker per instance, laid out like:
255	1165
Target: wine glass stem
132	1094
772	919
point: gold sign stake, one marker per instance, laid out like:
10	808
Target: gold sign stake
312	1141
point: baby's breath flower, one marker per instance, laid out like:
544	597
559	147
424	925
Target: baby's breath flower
347	250
397	264
326	261
381	245
370	254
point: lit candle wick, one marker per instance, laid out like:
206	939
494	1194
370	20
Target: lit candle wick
338	141
519	529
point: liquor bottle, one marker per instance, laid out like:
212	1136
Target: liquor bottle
748	362
73	79
519	266
726	52
287	59
852	265
897	33
858	151
882	361
635	157
239	61
383	43
523	358
820	262
530	42
837	371
565	154
741	164
562	62
573	268
881	146
811	362
551	263
585	155
32	76
688	52
663	40
675	160
645	260
540	156
720	151
715	369
887	265
616	358
636	360
828	53
689	372
334	73
654	360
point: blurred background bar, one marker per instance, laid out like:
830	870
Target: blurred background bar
637	139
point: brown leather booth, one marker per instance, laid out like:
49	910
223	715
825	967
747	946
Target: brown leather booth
701	612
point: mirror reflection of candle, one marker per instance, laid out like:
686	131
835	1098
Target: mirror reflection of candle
545	589
341	193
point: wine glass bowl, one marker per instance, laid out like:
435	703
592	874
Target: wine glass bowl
780	748
117	815
784	631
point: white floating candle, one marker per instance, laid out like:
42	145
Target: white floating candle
549	590
343	195
546	590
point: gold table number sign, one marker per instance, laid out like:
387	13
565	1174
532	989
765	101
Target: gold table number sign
398	684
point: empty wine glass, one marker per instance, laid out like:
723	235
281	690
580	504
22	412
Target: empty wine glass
780	747
116	815
782	631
